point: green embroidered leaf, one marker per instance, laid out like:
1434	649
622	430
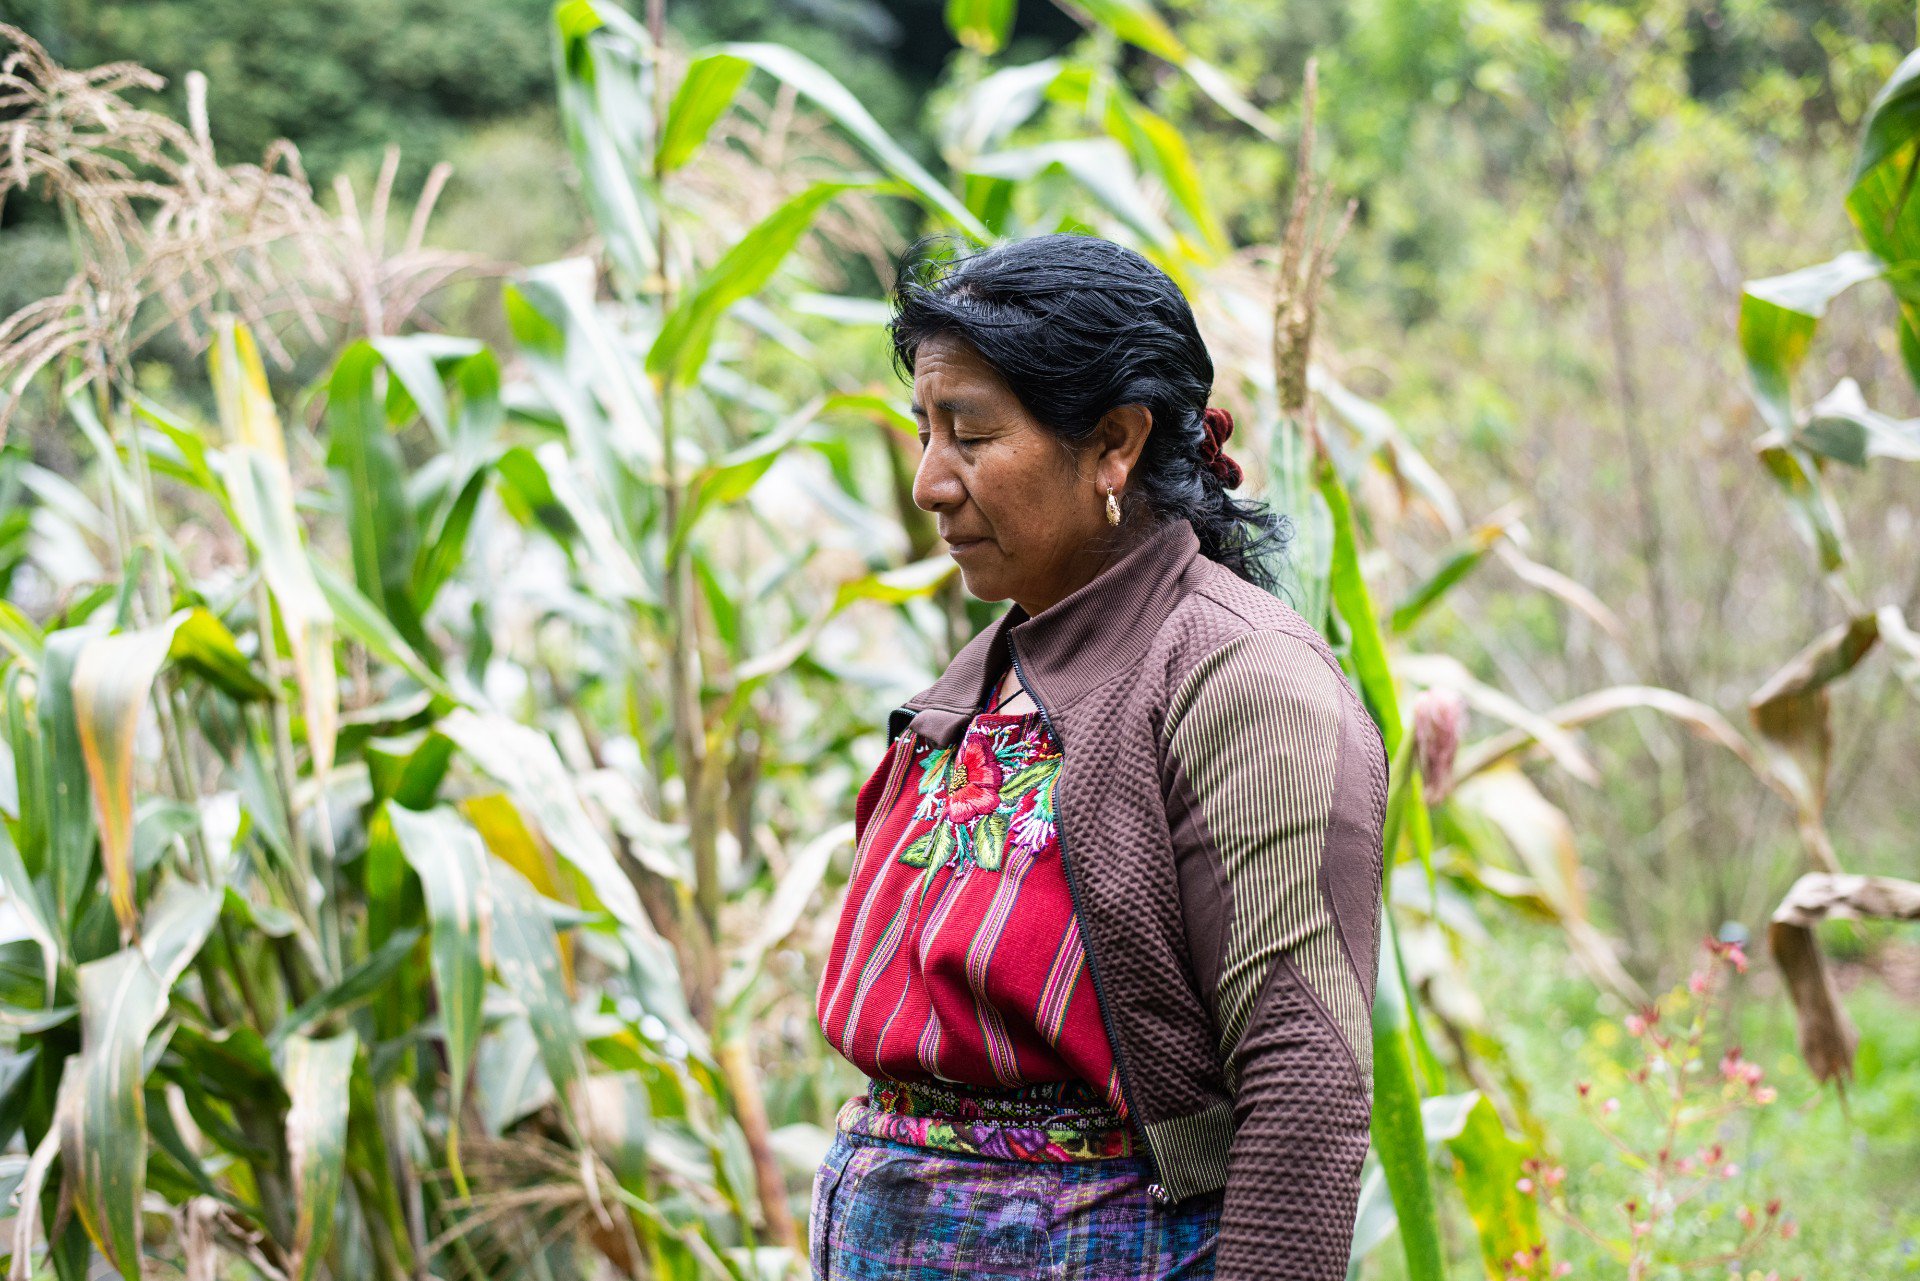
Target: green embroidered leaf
991	841
943	842
933	770
1024	780
919	853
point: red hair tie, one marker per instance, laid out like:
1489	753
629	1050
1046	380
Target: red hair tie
1213	456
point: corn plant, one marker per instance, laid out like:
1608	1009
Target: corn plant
1779	319
506	704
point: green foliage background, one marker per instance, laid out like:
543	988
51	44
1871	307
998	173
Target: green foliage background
1557	208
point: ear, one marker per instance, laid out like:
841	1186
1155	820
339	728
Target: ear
1117	442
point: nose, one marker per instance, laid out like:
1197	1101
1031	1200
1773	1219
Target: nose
936	485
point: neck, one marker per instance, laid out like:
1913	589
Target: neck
1088	564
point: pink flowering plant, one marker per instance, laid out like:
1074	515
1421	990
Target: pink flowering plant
1681	1211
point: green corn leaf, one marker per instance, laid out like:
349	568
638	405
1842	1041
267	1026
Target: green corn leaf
416	361
604	60
20	636
361	982
808	79
112	679
582	368
526	954
1842	427
785	908
877	408
318	1076
444	547
981	25
1351	598
525	762
103	1109
681	347
177	924
203	645
1158	147
703	97
1893	119
68	807
1136	22
1099	165
36	918
1462	562
1778	317
370	482
361	619
1290	482
1809	505
732	476
1399	1132
450	860
260	488
1487	1167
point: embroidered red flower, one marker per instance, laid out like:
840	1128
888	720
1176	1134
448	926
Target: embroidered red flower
978	793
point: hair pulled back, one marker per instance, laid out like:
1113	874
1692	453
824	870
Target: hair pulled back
1076	326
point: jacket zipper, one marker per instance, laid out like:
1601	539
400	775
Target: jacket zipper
1155	1189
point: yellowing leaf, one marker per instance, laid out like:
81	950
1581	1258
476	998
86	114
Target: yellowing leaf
260	490
318	1075
111	680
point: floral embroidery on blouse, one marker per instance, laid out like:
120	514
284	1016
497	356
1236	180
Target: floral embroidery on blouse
999	788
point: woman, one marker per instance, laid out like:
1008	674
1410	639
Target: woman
1109	946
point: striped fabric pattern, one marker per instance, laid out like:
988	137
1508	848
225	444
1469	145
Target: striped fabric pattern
1256	728
958	957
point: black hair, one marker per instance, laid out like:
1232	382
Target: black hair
1076	326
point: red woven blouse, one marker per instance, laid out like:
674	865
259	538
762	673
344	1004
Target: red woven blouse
958	957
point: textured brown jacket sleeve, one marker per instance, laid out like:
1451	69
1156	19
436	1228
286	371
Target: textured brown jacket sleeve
1289	779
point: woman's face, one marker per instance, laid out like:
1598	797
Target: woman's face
1023	512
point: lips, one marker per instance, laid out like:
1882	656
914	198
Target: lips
958	544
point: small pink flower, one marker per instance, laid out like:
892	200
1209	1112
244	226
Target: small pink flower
1610	1106
1698	983
1636	1026
1728	1170
1525	1185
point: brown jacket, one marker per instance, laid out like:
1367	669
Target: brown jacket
1220	806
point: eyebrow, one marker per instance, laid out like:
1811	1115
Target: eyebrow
950	405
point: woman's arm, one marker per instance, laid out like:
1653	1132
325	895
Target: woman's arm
1287	776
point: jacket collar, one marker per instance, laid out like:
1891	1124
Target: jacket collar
1073	646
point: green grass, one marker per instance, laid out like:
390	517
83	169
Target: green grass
1846	1172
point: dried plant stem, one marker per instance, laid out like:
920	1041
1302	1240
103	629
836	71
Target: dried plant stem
1306	255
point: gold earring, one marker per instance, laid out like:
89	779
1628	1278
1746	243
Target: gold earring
1113	507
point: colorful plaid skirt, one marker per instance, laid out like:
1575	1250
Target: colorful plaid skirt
924	1182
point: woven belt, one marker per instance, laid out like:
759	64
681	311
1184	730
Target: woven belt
1054	1121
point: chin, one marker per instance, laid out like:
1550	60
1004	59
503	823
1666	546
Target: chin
984	586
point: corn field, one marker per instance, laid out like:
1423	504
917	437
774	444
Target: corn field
427	761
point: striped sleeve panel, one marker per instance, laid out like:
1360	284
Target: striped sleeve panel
1256	727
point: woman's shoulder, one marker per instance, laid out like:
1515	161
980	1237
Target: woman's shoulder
1230	639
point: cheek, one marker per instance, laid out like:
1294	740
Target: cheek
1025	499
